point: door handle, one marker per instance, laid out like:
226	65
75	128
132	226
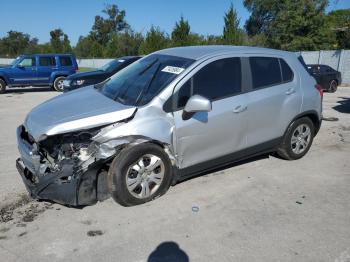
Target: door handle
239	109
290	91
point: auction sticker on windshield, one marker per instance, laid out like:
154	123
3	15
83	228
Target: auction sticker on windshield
173	70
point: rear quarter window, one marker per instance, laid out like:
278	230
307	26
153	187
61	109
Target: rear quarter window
287	73
65	61
265	71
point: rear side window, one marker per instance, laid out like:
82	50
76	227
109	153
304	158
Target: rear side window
65	61
219	79
287	73
47	61
265	71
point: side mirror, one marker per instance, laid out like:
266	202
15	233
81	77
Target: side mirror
197	103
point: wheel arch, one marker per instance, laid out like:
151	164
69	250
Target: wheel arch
313	116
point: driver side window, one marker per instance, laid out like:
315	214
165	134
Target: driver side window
217	80
27	62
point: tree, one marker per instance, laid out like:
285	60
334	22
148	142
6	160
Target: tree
59	42
181	33
339	22
290	24
155	40
16	43
124	44
232	34
88	47
105	28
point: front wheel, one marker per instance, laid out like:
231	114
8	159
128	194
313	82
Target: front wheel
58	83
297	140
139	174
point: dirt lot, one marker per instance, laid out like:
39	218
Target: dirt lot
265	209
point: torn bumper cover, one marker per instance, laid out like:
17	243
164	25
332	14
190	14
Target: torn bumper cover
68	184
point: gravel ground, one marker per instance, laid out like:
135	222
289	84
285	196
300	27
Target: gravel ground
265	209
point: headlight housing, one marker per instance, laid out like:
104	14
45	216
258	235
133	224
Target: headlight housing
78	82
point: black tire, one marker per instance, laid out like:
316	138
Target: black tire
118	172
286	148
2	86
333	86
58	83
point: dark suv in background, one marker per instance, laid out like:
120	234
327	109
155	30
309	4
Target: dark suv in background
38	70
325	76
78	80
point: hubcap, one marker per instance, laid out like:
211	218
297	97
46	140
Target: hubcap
145	176
60	84
300	139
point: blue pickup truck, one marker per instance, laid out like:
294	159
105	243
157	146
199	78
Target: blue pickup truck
38	70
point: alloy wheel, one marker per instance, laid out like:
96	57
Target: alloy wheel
301	138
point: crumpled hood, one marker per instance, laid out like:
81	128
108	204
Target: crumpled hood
81	109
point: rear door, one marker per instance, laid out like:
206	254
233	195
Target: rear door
25	72
274	99
46	65
66	64
210	135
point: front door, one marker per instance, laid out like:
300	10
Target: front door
210	135
24	72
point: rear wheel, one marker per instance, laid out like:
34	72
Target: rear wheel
297	140
139	174
2	86
58	83
333	86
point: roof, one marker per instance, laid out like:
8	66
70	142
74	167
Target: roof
199	52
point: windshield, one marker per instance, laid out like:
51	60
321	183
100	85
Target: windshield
15	61
112	65
138	83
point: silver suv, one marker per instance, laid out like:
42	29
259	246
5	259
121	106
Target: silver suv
170	115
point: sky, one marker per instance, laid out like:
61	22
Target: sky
76	17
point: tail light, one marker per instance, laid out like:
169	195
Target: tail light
319	89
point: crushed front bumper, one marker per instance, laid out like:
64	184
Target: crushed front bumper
61	187
66	186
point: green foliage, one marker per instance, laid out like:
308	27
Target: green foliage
181	33
155	40
232	34
282	24
87	47
124	44
339	22
105	28
290	24
59	42
15	43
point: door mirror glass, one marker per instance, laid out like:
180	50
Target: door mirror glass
197	103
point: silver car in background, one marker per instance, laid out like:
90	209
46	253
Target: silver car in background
169	116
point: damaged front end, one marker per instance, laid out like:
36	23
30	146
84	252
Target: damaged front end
66	168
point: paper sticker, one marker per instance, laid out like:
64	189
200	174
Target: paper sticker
121	60
173	70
